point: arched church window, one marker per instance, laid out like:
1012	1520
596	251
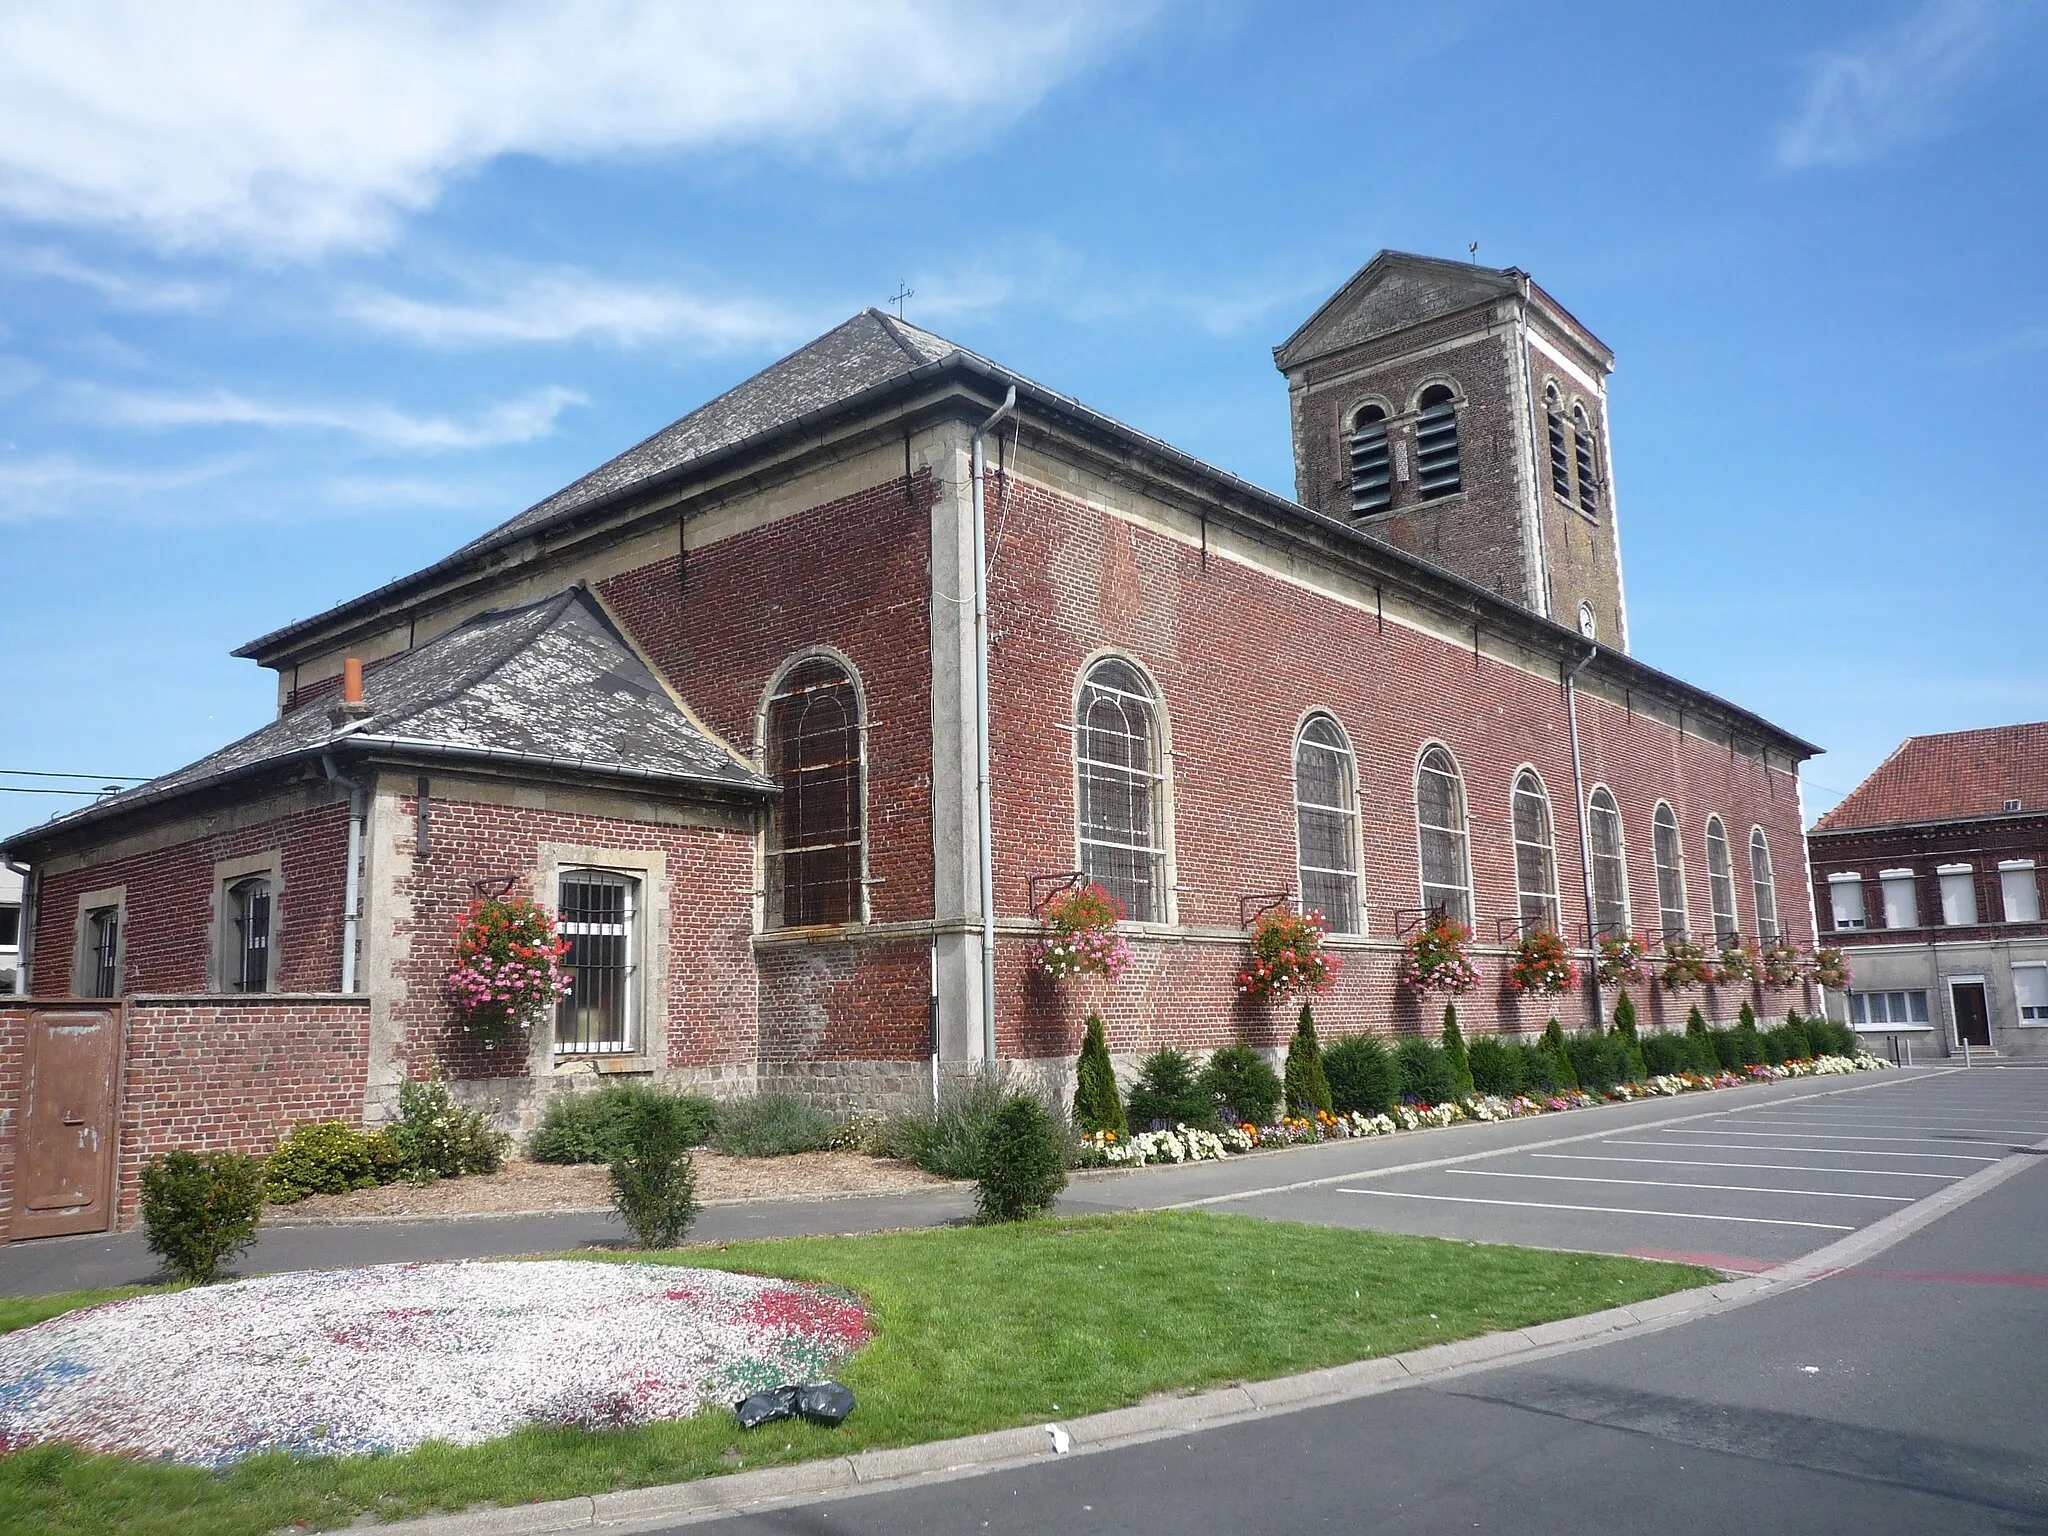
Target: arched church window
817	827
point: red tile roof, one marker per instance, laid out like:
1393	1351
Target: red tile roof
1950	777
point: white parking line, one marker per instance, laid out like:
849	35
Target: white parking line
1896	1141
1703	1162
2000	1131
1741	1189
1602	1210
1743	1146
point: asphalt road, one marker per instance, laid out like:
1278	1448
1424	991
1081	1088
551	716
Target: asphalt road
1907	1394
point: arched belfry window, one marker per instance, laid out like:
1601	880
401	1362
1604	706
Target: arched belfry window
1535	854
1670	855
1720	879
1586	455
1436	443
816	829
1372	485
1326	823
1560	447
1610	864
1763	884
1119	769
1440	830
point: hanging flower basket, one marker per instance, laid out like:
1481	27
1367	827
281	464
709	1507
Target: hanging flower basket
1080	936
1621	958
508	968
1685	965
1541	964
1289	956
1440	958
1827	967
1737	964
1780	959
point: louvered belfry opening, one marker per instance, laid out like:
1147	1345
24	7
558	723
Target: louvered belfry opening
597	915
1560	449
1437	470
1588	464
815	829
1372	482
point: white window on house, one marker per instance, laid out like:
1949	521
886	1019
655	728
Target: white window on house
1901	901
598	913
1326	823
101	971
1610	867
1845	895
1560	447
2021	895
246	963
1372	484
1535	854
1878	1010
1437	471
2030	990
1958	895
1670	856
1440	829
1586	456
1763	884
1120	767
10	925
817	828
1720	880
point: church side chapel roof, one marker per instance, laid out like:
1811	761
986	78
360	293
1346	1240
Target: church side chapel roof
551	684
1955	776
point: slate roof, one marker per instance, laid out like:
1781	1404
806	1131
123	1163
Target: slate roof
1950	777
552	684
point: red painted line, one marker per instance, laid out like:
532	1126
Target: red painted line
1707	1260
1945	1277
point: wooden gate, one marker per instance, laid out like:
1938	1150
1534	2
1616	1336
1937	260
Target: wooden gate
65	1157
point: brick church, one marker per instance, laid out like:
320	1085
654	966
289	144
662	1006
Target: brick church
722	704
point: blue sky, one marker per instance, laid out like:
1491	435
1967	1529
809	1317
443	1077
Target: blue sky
294	303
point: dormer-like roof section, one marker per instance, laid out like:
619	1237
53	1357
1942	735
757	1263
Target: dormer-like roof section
1955	776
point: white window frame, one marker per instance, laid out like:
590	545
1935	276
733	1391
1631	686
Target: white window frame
1721	881
1957	884
1552	917
2018	873
1661	819
2031	1015
1890	881
1161	776
1763	885
1463	833
1849	879
1861	1010
1348	777
1593	813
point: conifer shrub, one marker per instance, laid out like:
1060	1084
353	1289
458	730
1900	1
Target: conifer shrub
1774	1047
1630	1041
1168	1092
324	1158
1455	1054
1308	1089
1827	1038
1497	1067
200	1209
653	1181
1695	1021
1243	1084
1023	1162
1363	1077
1745	1018
1425	1074
1097	1104
1798	1045
591	1127
1560	1059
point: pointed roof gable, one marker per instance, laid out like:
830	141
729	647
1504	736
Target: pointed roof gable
1955	776
1394	290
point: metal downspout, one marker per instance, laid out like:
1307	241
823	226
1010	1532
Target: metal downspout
1571	704
981	734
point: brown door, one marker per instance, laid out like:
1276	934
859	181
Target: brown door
1973	1017
67	1121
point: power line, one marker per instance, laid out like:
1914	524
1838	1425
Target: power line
27	789
51	773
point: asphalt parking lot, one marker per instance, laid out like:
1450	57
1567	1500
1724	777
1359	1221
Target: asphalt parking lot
1754	1186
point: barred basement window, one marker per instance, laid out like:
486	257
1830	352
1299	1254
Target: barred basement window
103	952
598	913
1560	452
1720	879
1587	462
1372	486
1763	884
1118	768
1535	854
1670	857
1436	444
1610	871
248	958
816	830
1326	823
1440	829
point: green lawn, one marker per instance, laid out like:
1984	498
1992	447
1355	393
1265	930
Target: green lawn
980	1328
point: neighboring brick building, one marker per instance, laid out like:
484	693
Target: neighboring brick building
718	702
1928	877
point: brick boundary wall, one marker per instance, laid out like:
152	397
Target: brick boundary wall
13	1066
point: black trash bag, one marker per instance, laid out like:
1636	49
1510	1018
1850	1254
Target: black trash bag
767	1407
824	1402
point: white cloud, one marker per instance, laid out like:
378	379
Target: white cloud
117	288
292	129
1893	87
511	421
567	305
55	485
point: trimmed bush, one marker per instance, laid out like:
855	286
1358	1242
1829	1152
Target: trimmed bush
1798	1044
772	1125
200	1209
1243	1082
1745	1018
1425	1073
591	1127
1497	1067
654	1183
1625	1032
1560	1059
1829	1038
1362	1076
1666	1054
327	1158
1169	1093
1023	1162
948	1139
1538	1067
1097	1105
1308	1090
1455	1055
434	1138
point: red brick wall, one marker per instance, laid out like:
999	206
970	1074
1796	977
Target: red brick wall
838	1001
13	1064
170	907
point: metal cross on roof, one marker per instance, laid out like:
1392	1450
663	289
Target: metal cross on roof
899	296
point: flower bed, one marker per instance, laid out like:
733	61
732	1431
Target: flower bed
386	1359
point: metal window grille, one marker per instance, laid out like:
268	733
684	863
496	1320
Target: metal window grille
1720	879
1372	484
1440	825
1670	855
1610	872
1436	444
249	965
597	914
1763	885
1535	855
1326	824
1117	760
1560	453
1589	473
103	939
815	832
